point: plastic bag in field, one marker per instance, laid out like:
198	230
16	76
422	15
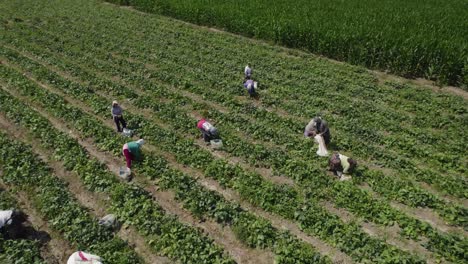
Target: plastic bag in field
322	149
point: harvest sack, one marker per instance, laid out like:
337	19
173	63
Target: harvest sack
81	257
5	217
322	149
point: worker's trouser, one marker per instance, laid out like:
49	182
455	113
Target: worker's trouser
326	138
128	157
251	91
119	120
206	135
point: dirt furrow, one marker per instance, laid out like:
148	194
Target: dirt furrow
389	234
221	235
422	214
114	165
264	172
54	249
212	185
94	201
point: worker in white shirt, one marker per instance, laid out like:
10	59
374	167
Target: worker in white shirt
341	165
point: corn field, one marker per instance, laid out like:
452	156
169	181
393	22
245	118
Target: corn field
408	38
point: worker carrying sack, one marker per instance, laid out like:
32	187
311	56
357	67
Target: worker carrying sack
322	149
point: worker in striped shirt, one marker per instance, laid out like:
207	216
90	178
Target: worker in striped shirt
341	165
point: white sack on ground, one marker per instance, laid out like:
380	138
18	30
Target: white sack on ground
322	149
81	257
5	216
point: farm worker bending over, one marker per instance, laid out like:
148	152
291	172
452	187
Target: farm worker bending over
109	221
81	257
11	223
117	115
132	151
341	164
250	85
247	72
208	131
318	126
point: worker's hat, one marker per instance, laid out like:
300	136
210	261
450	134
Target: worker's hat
114	102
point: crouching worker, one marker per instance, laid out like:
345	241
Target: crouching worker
81	257
209	132
318	126
251	86
341	165
110	221
132	151
11	224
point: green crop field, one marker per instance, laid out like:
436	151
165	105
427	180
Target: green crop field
265	196
411	38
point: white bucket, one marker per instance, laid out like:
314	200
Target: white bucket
216	143
124	174
127	132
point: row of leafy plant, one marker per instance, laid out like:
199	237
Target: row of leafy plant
386	35
253	186
50	195
425	175
398	190
131	204
21	251
428	176
253	231
421	201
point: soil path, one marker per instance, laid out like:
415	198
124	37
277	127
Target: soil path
264	172
54	249
368	228
96	202
114	164
166	199
389	234
298	53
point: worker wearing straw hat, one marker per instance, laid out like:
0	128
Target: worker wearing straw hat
117	115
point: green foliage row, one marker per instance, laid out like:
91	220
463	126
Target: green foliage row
279	199
20	251
174	64
196	158
409	38
130	204
53	200
254	231
415	197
